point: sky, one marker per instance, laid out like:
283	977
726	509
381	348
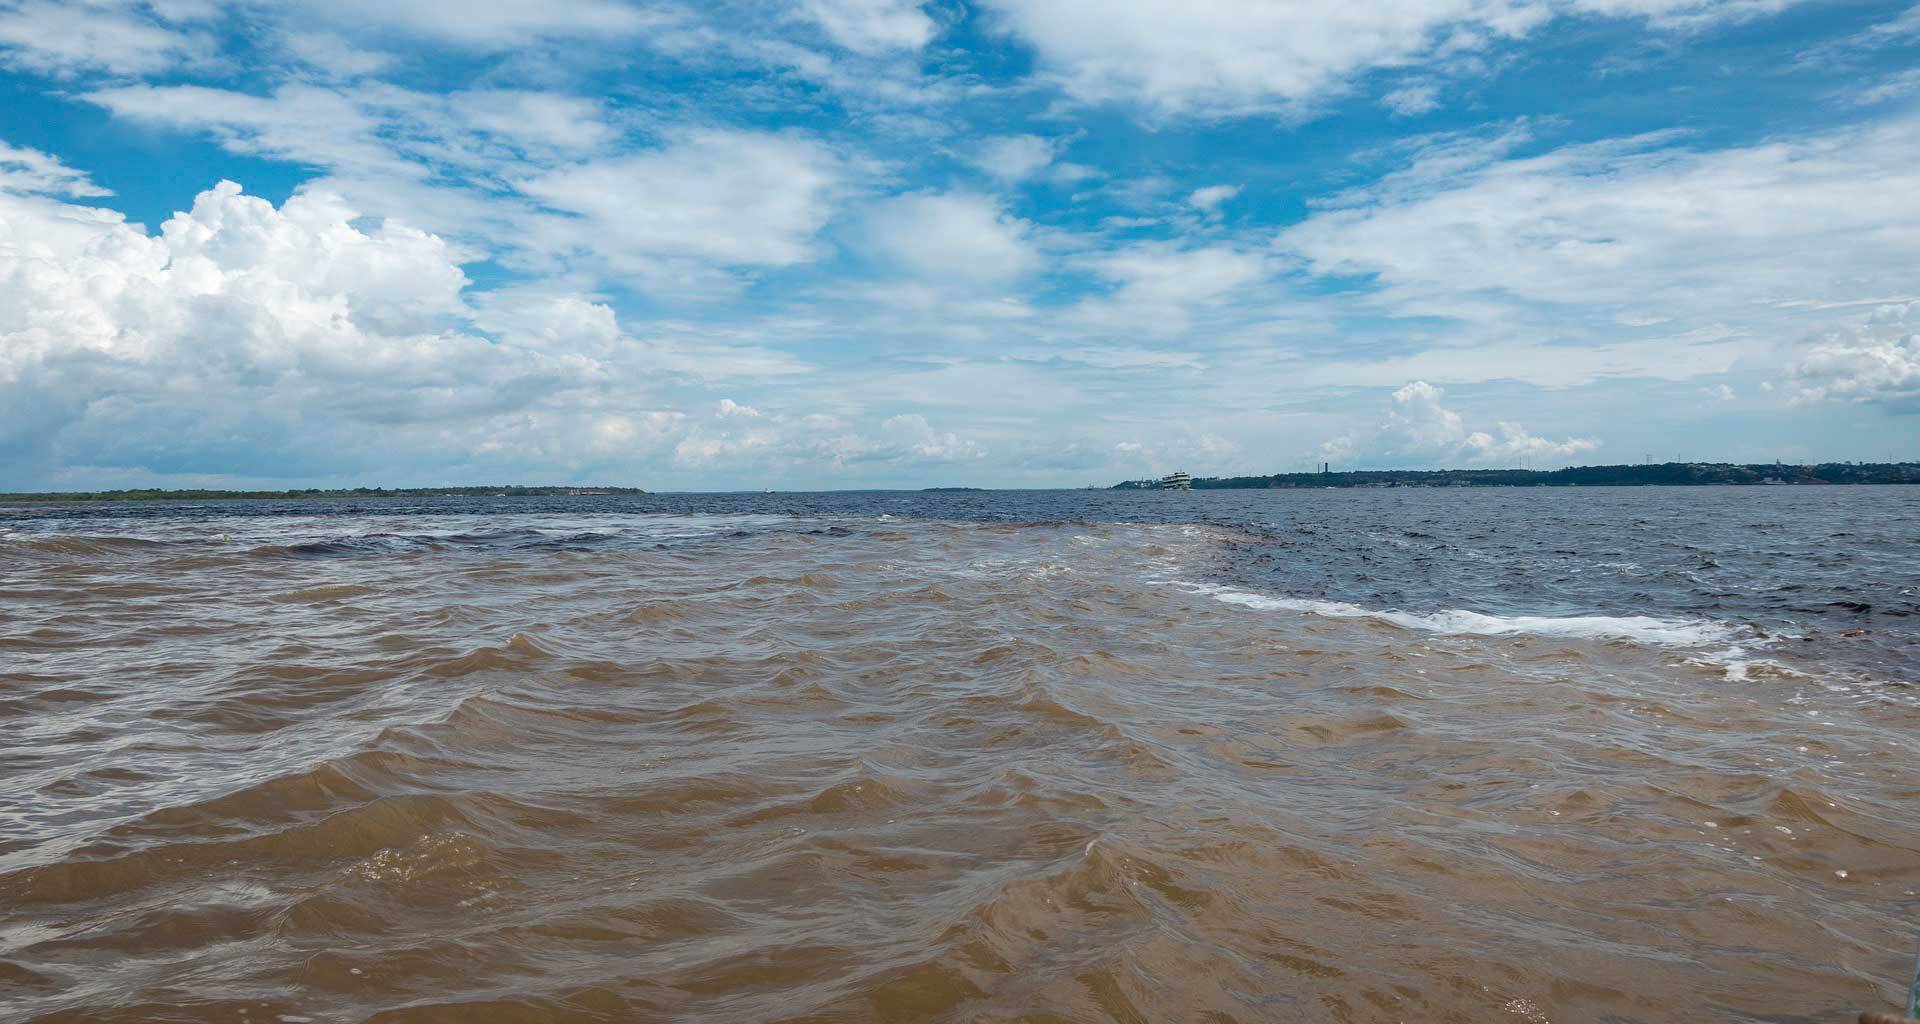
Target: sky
745	244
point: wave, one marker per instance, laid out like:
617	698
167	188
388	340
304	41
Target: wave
308	537
1645	629
74	545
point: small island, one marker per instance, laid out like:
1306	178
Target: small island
1668	474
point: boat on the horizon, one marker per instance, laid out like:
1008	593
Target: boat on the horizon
1176	481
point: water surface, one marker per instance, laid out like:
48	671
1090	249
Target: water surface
1572	755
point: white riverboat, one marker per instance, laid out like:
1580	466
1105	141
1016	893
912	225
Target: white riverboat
1176	481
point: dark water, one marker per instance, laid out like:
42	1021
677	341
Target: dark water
1635	754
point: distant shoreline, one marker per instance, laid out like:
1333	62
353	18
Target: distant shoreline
156	494
1667	474
1671	474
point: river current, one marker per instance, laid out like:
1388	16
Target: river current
1440	755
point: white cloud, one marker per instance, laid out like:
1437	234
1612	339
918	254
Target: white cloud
1669	357
543	179
1681	14
376	129
1013	158
550	120
235	321
1160	287
985	390
871	26
300	342
911	434
233	278
1161	274
302	124
297	342
31	171
484	25
531	175
62	39
333	55
1418	427
1850	49
1210	197
950	239
741	440
1898	85
1121	357
735	198
1203	452
1412	100
1877	362
1631	229
1224	57
559	320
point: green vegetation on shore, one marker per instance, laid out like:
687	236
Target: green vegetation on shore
1664	474
500	490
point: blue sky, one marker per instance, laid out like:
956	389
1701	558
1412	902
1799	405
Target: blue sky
844	243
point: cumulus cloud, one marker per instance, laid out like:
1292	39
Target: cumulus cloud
293	332
1876	362
302	278
237	309
248	341
1418	427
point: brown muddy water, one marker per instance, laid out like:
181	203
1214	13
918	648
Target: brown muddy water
750	767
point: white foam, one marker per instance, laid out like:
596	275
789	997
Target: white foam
1691	633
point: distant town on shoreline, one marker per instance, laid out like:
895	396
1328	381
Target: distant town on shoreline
1668	474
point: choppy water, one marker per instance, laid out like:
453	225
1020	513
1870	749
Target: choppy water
1601	755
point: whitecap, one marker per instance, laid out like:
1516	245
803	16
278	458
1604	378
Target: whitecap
1646	629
